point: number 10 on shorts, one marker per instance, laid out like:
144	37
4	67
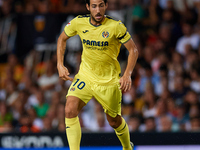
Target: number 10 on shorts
80	85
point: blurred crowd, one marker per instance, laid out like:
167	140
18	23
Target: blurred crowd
42	6
165	95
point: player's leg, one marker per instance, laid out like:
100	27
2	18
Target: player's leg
110	96
73	129
121	129
79	94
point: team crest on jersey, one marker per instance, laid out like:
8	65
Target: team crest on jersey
105	34
72	89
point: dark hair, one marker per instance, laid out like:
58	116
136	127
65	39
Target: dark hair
163	68
88	2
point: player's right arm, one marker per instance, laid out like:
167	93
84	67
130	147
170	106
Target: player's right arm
69	31
61	46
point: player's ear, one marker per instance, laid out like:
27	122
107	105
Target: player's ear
106	5
88	7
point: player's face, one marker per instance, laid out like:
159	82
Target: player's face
97	10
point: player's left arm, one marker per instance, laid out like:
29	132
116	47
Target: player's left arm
125	80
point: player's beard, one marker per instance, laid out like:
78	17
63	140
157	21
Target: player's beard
93	18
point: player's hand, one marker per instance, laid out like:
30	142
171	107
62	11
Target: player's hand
64	73
125	82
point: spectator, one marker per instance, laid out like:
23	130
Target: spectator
7	28
165	36
47	124
48	81
114	10
195	124
194	110
146	79
182	117
29	7
18	6
150	124
191	59
149	109
42	107
171	107
102	124
134	123
161	108
195	77
11	92
179	89
165	124
43	6
24	124
188	38
5	118
36	123
32	99
59	115
55	99
191	98
12	70
154	13
128	105
135	102
161	83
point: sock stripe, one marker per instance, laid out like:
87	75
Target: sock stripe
122	133
122	128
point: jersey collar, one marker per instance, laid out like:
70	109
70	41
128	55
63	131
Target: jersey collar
99	24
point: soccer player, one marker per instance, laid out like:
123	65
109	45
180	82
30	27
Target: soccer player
99	73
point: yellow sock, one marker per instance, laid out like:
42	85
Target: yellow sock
73	131
122	133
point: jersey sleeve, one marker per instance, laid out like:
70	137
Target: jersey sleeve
71	28
121	33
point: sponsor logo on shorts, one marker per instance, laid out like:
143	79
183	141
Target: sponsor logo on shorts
72	89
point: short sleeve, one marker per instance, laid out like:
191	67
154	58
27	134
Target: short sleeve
121	33
70	29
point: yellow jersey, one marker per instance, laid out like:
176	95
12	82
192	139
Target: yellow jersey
101	47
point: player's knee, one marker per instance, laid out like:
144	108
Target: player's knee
70	112
113	123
